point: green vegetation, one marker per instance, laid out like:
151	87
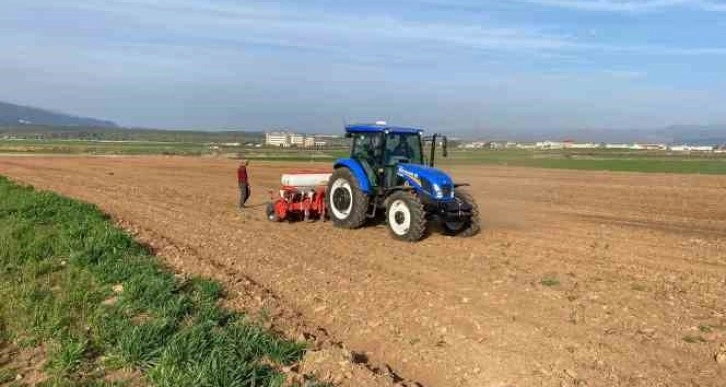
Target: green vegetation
56	133
549	281
693	339
605	160
104	141
79	147
98	302
101	148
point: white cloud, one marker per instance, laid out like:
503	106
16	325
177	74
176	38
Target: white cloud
629	5
234	25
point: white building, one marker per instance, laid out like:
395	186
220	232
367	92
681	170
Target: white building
617	146
526	146
297	139
689	148
473	145
550	145
581	145
309	142
277	139
702	148
652	146
695	148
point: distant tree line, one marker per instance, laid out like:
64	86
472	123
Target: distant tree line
42	132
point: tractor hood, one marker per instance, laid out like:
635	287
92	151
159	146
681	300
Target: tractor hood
434	181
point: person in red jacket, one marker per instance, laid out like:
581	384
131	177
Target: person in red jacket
243	181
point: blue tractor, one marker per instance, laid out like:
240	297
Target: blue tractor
387	172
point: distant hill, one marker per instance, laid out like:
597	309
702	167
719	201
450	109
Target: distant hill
11	114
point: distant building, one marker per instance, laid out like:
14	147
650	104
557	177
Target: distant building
653	146
309	142
694	148
679	148
702	148
473	145
297	139
617	146
583	145
550	145
277	139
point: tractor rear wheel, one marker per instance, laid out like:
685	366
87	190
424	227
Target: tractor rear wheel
467	227
405	216
346	203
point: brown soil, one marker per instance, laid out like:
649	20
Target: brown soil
579	278
21	366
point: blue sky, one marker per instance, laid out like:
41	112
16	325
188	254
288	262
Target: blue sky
451	65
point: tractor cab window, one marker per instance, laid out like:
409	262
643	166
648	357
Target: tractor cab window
367	146
403	147
367	149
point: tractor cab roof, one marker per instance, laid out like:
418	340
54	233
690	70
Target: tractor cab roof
380	127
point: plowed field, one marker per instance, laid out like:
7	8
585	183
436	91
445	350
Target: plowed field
579	278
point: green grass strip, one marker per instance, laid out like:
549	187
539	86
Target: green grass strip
599	160
62	266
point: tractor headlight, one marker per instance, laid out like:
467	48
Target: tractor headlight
438	192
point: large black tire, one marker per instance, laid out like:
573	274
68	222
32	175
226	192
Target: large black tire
346	203
405	216
468	227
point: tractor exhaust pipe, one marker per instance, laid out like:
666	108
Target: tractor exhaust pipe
444	146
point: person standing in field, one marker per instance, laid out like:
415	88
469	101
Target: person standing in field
243	181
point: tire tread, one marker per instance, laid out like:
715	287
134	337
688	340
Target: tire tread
418	216
357	216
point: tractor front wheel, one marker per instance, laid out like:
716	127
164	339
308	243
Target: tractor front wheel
346	203
465	227
405	216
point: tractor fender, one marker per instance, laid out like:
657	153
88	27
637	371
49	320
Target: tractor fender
357	171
